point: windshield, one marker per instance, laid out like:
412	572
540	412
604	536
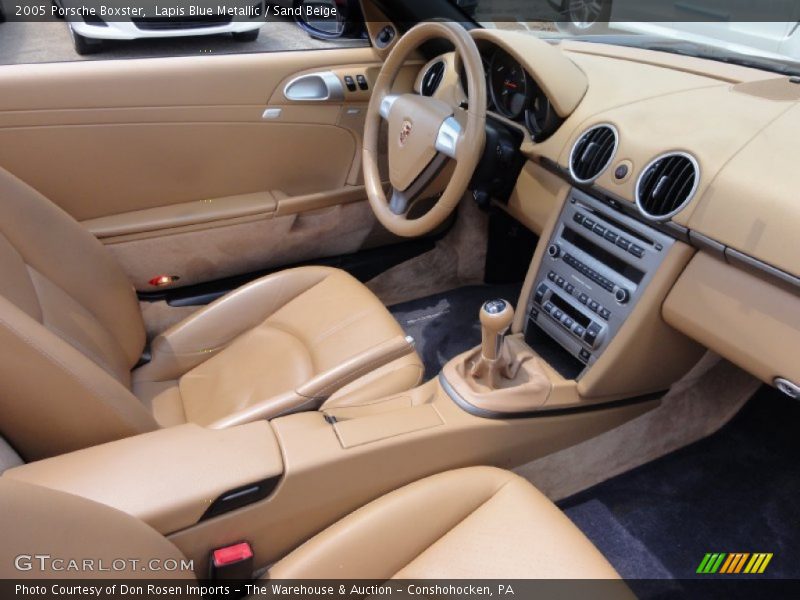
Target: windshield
702	28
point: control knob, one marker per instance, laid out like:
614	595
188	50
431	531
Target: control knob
554	250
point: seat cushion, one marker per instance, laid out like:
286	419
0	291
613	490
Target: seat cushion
478	522
265	341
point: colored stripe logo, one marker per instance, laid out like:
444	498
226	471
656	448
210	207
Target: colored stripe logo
734	563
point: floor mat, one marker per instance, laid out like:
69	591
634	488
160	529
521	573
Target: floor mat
446	324
736	491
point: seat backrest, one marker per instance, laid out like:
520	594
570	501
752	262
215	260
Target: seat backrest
44	529
70	331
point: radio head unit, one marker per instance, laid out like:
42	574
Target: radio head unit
598	263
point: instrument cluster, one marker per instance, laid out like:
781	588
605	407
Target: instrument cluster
515	95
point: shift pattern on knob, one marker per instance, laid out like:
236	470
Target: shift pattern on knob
494	307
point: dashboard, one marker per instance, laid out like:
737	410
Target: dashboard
662	188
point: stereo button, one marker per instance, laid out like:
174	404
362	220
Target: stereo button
583	298
623	243
591	333
540	291
588	223
605	313
578	218
593	305
568	323
637	251
579	331
611	237
599	229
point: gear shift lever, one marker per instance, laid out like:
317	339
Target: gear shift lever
496	317
502	375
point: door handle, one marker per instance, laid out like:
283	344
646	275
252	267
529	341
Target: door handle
315	87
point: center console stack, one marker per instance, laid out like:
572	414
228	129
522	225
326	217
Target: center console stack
597	265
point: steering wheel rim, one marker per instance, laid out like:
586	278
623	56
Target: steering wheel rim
442	131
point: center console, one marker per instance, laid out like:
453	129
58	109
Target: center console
597	265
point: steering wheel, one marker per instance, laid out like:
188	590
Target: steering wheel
424	134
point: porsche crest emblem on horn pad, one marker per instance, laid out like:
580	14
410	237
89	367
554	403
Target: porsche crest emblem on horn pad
405	131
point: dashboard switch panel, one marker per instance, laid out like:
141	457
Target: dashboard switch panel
597	265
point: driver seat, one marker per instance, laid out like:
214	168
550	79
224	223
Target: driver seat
71	333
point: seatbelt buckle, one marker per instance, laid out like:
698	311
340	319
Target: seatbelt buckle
234	562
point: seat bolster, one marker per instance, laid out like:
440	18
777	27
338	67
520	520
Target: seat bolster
205	333
395	377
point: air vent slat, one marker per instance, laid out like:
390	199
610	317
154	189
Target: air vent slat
679	174
432	78
666	185
592	153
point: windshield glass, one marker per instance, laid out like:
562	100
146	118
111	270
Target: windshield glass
769	40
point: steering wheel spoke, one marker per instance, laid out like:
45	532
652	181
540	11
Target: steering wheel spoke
386	105
447	139
402	200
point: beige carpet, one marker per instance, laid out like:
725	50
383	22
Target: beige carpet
458	260
697	406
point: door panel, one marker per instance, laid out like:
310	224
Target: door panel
172	163
100	170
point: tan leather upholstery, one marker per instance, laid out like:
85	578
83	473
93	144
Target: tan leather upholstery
479	522
71	331
265	340
41	521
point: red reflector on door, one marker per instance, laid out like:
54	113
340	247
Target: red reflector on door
162	280
232	554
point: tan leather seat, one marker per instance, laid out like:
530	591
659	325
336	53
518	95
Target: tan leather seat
478	522
71	332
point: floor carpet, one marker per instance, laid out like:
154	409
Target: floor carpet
735	491
446	324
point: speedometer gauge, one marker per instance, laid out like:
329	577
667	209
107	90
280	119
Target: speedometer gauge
509	84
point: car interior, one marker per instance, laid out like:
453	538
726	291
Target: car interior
460	288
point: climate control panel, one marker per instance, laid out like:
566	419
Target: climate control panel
597	265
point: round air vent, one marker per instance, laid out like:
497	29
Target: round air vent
432	78
592	153
666	185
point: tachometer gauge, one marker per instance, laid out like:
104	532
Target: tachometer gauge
509	85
